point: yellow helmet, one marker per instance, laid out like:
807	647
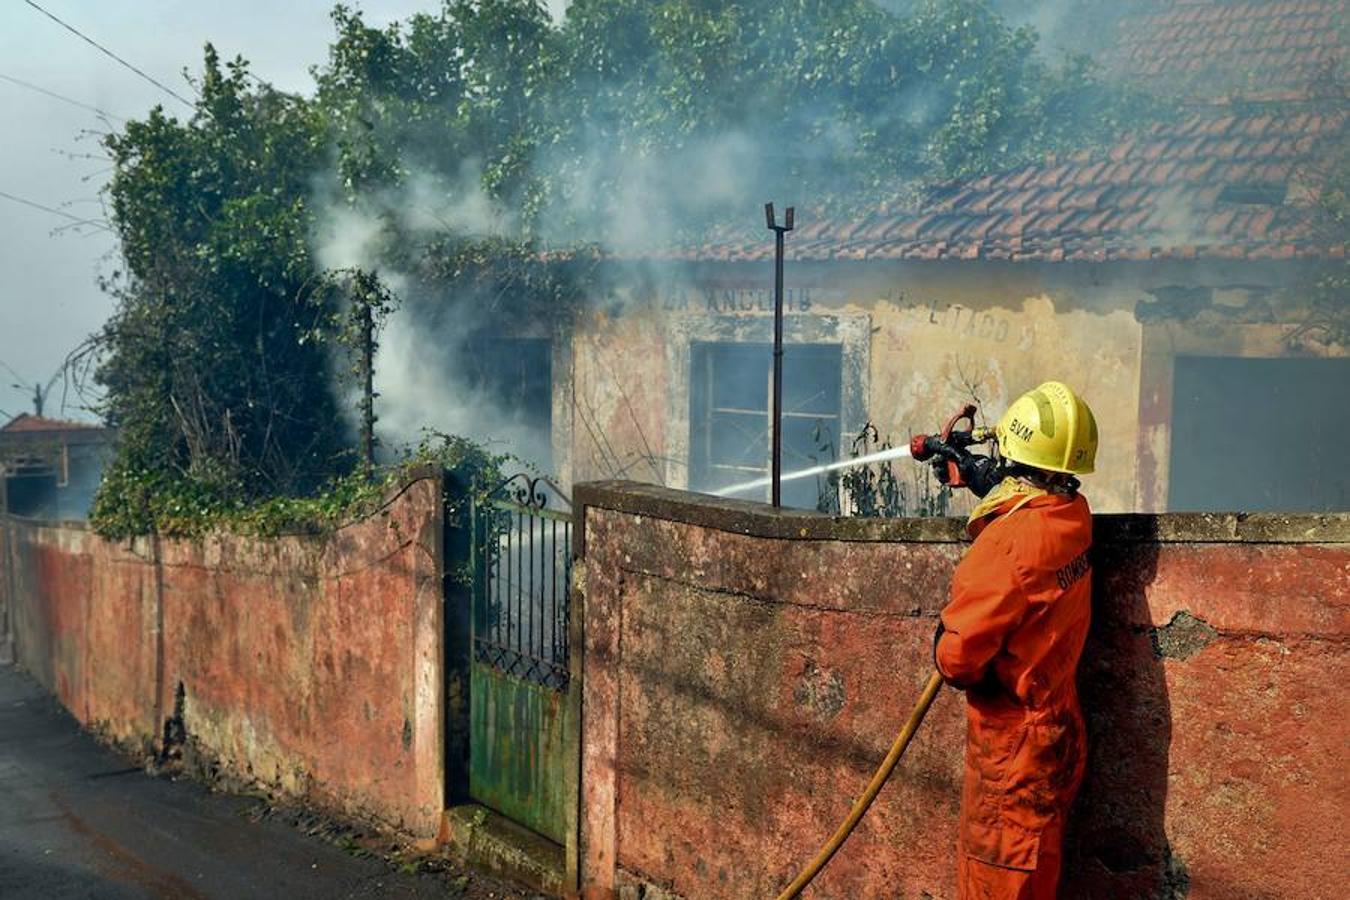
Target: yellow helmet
1049	428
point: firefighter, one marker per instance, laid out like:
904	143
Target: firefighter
1011	636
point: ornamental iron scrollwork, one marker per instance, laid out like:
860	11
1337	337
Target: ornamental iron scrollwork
528	491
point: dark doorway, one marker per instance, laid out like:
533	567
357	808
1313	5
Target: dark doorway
1260	435
514	378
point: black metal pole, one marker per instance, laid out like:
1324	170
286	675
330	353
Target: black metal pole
778	368
368	388
776	464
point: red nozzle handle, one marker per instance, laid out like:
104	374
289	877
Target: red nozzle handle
966	413
923	447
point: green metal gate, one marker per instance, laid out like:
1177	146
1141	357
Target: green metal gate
519	673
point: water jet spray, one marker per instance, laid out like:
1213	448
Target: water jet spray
878	456
948	451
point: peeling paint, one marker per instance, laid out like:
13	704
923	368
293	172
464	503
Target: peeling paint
1182	637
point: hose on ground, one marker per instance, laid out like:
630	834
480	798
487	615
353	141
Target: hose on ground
930	692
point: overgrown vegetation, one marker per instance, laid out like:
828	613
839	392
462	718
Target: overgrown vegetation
206	369
875	490
183	507
474	138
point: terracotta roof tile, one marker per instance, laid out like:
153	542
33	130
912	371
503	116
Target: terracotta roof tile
1229	43
26	423
27	430
1094	222
1155	194
1259	226
1132	209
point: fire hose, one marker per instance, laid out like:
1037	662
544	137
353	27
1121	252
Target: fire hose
955	466
860	807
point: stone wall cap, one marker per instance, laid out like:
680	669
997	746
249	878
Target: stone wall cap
409	477
760	520
1226	527
37	522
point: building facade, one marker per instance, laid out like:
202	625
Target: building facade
50	468
1176	278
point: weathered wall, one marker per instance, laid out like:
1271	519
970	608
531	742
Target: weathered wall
937	334
309	664
6	606
619	396
746	670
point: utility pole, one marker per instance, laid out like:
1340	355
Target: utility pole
38	398
776	471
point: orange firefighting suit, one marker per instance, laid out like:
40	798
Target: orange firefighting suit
1011	638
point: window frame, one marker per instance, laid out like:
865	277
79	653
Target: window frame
707	418
850	332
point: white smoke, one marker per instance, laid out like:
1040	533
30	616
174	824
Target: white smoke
421	379
629	200
423	385
357	234
558	8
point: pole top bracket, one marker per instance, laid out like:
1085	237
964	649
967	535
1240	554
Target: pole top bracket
772	222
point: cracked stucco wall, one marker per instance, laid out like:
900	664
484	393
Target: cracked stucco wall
746	670
917	340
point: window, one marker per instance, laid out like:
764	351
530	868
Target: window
730	398
1259	434
512	378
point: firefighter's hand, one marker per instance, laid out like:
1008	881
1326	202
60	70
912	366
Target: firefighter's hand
988	684
980	473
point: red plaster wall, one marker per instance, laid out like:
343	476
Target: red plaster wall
309	664
83	624
739	691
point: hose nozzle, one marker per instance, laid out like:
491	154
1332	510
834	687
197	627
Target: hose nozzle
956	466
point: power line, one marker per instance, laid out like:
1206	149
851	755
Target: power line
53	211
10	369
93	43
41	90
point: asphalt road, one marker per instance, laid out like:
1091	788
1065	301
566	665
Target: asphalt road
78	821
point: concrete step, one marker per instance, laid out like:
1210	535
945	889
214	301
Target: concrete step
489	842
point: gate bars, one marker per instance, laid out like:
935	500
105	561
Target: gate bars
522	558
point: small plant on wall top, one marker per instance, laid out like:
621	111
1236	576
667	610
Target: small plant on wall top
878	490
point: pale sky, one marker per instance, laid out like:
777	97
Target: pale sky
48	297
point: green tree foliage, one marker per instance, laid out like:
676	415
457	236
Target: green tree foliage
219	365
828	100
842	99
436	93
207	370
